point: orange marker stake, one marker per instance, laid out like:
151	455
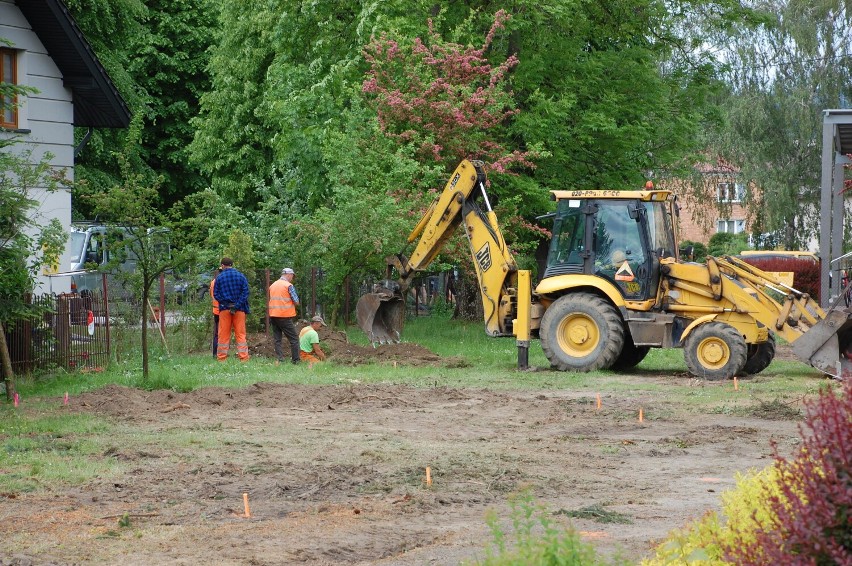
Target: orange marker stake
598	401
65	401
246	505
641	416
428	476
736	384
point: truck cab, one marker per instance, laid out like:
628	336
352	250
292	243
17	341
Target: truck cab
91	247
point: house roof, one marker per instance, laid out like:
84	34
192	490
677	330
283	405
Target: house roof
97	103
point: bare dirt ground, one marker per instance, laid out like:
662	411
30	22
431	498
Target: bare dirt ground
336	475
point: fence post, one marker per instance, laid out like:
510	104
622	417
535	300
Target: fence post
266	310
106	312
416	298
63	329
162	320
25	338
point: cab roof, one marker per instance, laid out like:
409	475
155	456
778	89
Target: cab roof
649	195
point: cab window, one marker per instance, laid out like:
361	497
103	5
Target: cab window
660	228
95	249
567	246
619	253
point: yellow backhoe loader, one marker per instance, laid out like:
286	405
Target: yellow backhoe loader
613	288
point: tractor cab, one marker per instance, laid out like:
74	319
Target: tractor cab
620	236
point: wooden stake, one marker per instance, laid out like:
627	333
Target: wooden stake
246	505
598	401
736	384
160	327
641	416
428	476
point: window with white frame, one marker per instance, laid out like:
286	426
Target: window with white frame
730	192
730	226
8	75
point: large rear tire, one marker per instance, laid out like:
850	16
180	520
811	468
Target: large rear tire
759	357
715	351
581	332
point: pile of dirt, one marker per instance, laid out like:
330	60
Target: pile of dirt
341	351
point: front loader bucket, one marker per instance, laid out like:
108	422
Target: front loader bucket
827	346
381	314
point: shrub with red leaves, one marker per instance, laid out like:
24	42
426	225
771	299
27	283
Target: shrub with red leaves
812	510
805	271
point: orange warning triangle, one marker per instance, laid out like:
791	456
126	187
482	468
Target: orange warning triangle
624	273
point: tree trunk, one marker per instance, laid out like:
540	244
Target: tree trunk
468	300
8	377
145	314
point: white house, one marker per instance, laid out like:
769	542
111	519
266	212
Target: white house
46	50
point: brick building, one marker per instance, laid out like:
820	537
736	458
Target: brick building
712	201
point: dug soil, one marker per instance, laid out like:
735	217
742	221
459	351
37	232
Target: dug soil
383	474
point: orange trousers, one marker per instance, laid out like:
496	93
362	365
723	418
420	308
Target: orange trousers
308	356
237	323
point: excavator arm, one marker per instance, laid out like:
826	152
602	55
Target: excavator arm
464	200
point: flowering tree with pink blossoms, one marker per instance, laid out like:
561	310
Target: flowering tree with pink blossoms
447	100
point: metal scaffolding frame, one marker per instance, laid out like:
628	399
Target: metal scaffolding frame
836	145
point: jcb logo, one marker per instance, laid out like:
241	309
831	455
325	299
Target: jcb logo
483	257
455	180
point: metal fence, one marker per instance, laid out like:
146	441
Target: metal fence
86	331
71	331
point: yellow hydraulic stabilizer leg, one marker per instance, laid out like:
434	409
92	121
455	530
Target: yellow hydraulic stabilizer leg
521	325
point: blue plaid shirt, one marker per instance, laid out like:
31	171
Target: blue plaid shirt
232	288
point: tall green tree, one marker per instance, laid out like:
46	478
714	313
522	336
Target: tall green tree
110	27
169	67
156	52
282	75
781	77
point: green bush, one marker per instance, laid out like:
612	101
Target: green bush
699	251
725	243
537	540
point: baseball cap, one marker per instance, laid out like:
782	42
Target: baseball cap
319	319
287	270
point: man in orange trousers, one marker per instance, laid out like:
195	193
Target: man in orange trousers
231	291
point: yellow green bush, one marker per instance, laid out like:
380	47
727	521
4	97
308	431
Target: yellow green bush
744	511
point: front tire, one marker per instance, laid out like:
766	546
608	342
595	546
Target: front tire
715	351
581	332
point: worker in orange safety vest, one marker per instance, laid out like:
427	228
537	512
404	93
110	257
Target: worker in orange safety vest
282	314
232	292
215	305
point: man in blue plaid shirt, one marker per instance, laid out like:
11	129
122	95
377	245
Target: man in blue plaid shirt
232	292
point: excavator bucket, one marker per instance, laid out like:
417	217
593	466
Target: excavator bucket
827	346
381	314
